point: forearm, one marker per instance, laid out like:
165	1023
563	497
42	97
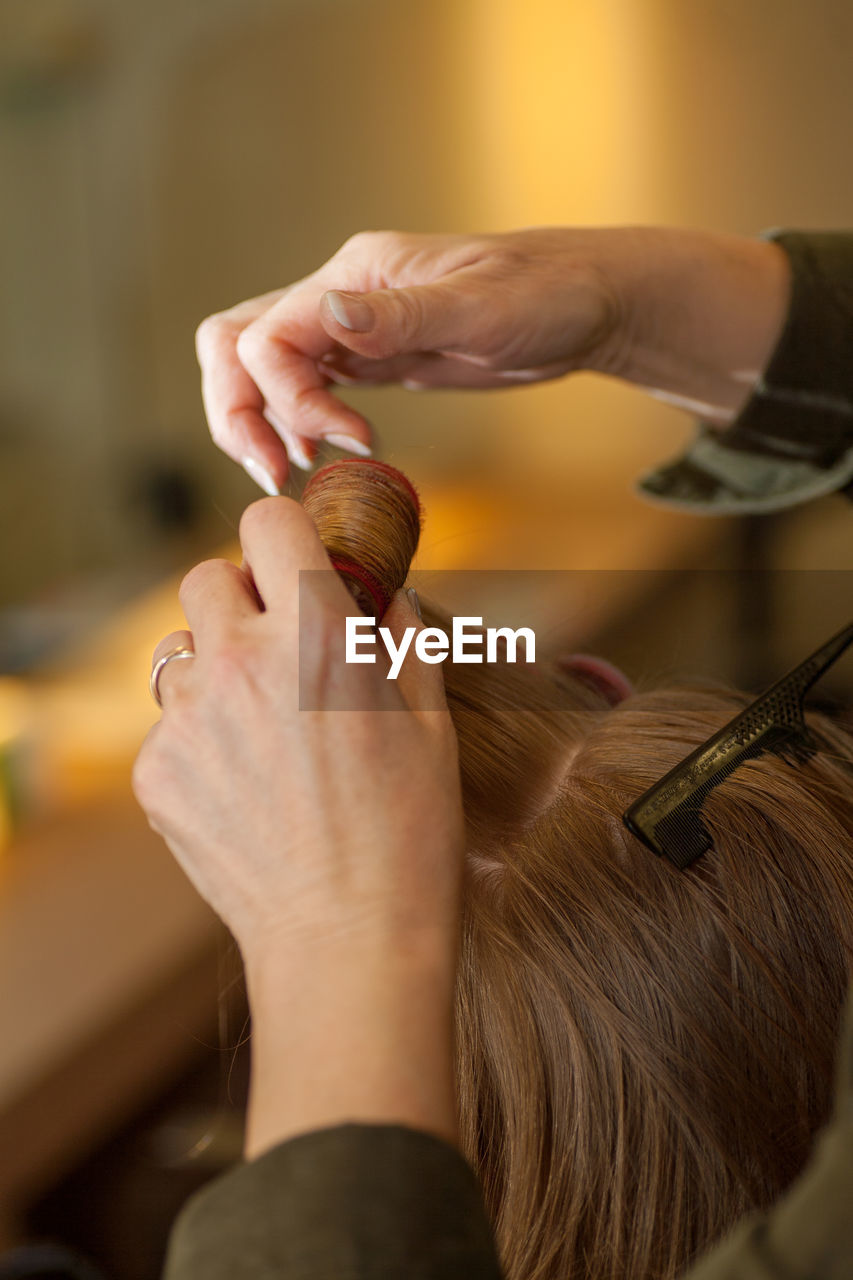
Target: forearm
699	314
351	1031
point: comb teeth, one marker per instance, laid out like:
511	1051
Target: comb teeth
667	818
670	824
684	835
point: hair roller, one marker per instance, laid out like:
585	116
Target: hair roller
369	520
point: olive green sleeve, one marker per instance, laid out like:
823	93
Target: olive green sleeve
793	441
377	1202
808	1235
358	1202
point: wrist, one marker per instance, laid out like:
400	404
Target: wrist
699	314
321	959
348	1030
380	937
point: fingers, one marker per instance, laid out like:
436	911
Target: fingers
174	640
281	351
264	380
446	315
264	389
233	404
215	596
426	311
234	409
241	422
290	352
280	541
296	388
169	664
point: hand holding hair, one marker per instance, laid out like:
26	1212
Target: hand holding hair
691	315
604	1002
329	840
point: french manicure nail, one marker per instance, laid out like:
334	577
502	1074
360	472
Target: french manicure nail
297	454
350	444
261	477
292	443
351	311
414	602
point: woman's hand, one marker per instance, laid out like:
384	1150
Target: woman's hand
692	315
329	839
421	310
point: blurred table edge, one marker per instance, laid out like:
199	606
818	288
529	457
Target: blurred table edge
109	979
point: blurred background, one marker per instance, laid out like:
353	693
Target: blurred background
162	160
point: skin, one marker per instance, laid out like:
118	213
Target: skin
689	315
338	869
331	842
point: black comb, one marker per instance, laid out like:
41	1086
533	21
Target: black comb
667	817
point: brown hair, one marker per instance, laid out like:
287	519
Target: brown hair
369	517
643	1054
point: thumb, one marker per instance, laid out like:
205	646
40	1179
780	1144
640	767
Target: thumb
390	322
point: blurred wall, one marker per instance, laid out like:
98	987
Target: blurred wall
727	114
162	160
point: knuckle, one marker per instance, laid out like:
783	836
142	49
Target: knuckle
504	256
266	514
138	778
143	779
359	241
241	675
507	261
227	434
198	579
153	783
255	518
218	432
351	244
409	307
230	665
194	578
251	344
374	245
210	332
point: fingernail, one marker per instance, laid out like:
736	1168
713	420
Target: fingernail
261	477
296	453
293	444
350	444
414	602
351	311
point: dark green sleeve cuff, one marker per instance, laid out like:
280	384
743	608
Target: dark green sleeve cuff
808	1235
357	1202
377	1202
794	439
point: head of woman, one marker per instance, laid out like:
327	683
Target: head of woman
643	1054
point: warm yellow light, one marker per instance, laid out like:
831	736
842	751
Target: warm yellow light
14	710
15	720
560	109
